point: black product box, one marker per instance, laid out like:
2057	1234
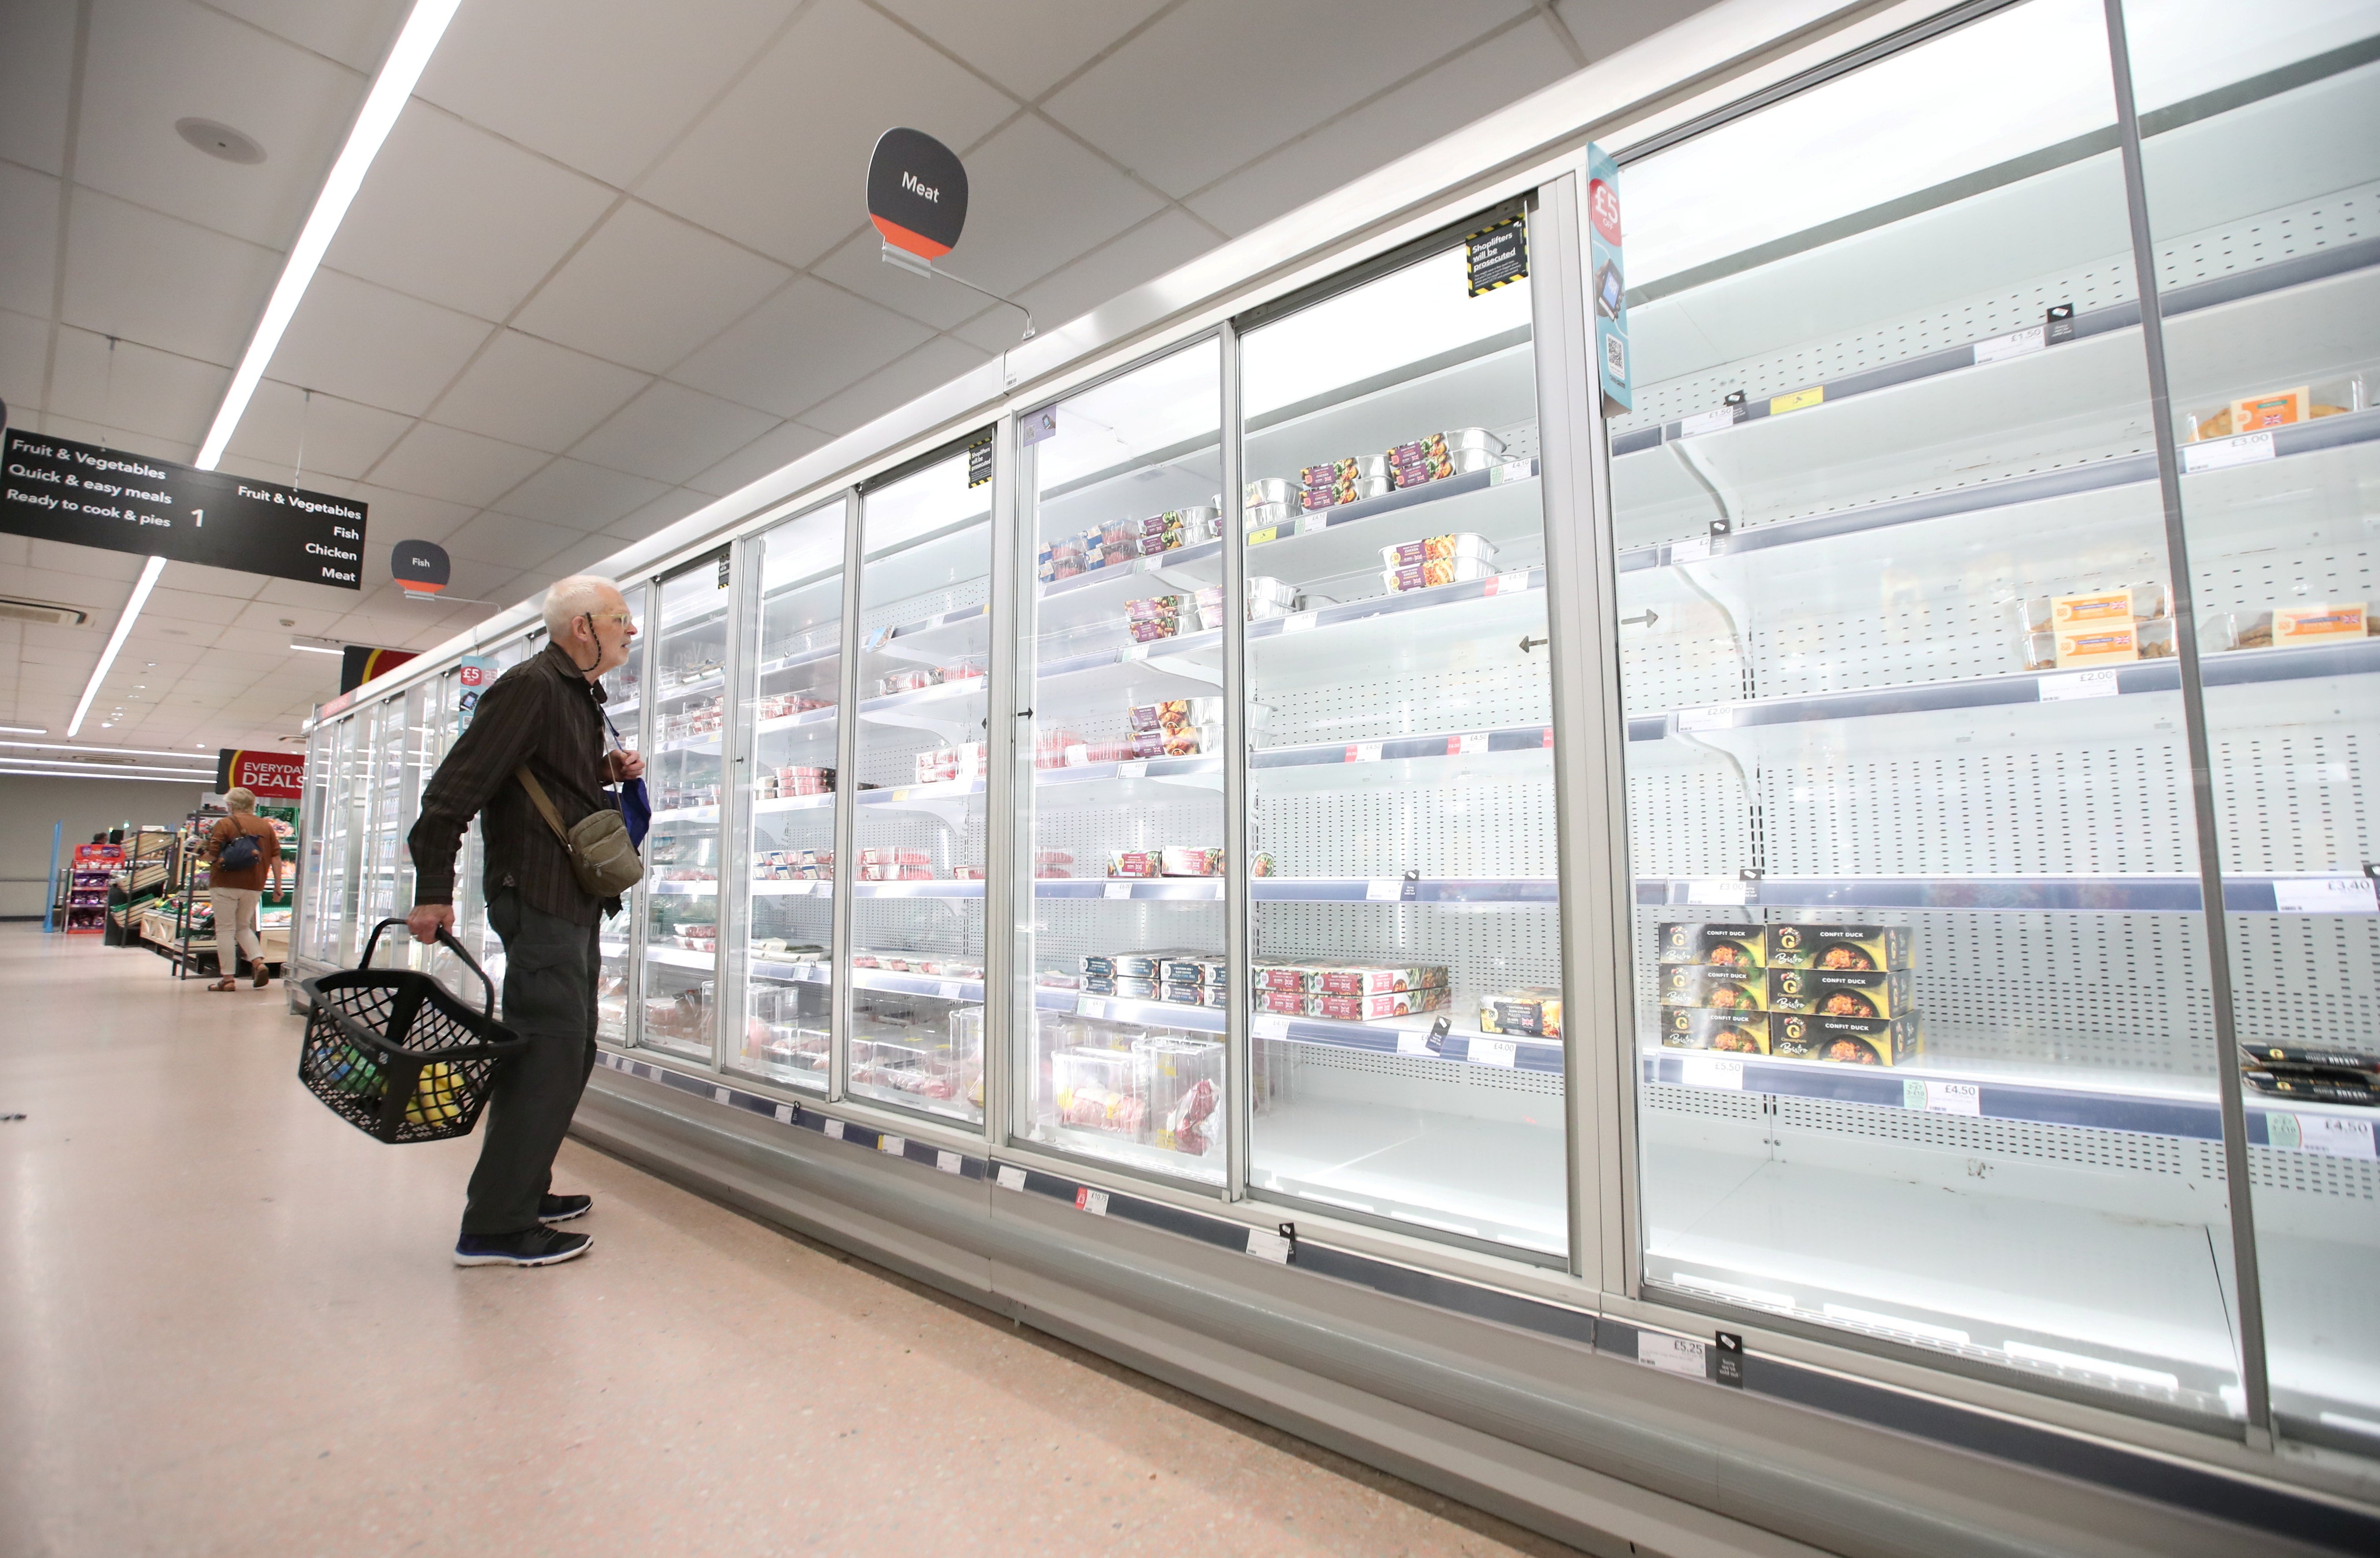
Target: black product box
1740	1033
1856	948
1718	989
1740	946
2288	1057
2329	1087
1840	992
1846	1040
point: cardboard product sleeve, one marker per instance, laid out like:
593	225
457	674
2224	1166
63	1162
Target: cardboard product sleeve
1719	989
1840	992
1740	1033
1530	1013
1846	1040
1840	946
1741	945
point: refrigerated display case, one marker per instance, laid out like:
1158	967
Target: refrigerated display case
1683	847
917	915
678	954
617	983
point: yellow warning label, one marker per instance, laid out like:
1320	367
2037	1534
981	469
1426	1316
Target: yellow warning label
1795	401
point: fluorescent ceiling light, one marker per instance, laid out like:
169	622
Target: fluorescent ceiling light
67	766
25	730
135	778
148	581
390	88
71	747
318	649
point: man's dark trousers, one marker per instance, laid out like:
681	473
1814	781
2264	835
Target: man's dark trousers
550	971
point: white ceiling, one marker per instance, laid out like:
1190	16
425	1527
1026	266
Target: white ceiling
612	262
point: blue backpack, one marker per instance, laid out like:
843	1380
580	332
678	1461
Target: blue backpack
242	853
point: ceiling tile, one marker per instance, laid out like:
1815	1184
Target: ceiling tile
1603	28
392	517
440	462
929	367
857	264
87	562
669	431
457	215
1166	241
369	343
211	581
581	555
806	342
24	341
614	81
142	392
356	33
579	496
528	391
190	605
801	125
36	69
153	62
29	239
308	440
150	278
647	288
1153	105
1465	88
656	516
781	446
1038	198
1027	59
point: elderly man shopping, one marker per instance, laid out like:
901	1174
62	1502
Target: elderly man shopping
546	715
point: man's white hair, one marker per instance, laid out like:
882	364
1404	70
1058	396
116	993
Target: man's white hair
566	598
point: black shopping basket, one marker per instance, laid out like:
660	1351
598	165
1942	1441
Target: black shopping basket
395	1055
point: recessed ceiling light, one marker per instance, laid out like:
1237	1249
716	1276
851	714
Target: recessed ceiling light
217	140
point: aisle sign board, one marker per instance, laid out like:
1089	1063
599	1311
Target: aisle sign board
916	193
59	490
1607	277
267	775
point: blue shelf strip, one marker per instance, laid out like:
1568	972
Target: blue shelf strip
2258	1504
2171	893
2233	668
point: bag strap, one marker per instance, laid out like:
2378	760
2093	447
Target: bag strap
545	807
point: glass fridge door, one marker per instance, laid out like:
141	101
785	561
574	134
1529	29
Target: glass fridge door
1406	1036
472	927
678	960
790	698
384	802
623	710
2262	151
1922	1048
918	828
1123	1059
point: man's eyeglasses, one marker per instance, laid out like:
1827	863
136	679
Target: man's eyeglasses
622	619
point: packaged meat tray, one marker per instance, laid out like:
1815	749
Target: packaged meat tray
1533	1013
1190	859
894	856
1175	713
1185	995
1838	992
915	680
1853	948
1195	968
1739	1033
1718	989
1354	979
1431	575
1845	1041
1727	944
1373	1008
1123	964
1434	549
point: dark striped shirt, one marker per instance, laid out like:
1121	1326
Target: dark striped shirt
546	715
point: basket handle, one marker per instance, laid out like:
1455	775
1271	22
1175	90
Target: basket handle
446	937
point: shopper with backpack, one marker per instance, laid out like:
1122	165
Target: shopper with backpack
242	854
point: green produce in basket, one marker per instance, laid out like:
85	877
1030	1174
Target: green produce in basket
351	1070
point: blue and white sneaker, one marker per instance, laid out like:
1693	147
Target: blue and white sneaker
539	1246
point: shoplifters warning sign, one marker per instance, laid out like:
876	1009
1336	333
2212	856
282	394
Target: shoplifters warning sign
59	490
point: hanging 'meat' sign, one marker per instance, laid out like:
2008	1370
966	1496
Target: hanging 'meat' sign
916	193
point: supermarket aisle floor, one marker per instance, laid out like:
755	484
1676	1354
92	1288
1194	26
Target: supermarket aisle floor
228	1325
